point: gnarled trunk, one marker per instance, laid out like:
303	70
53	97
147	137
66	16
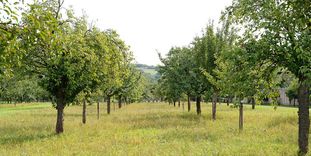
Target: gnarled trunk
214	102
198	104
189	104
303	115
108	105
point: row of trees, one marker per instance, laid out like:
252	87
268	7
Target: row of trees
275	43
71	60
19	89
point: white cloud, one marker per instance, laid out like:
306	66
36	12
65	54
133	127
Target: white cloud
147	25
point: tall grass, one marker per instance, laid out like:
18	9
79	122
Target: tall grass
148	129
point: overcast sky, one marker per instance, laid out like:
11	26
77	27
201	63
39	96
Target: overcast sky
151	25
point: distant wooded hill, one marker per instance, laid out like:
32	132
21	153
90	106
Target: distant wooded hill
149	70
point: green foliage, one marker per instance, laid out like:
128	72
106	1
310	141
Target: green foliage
70	58
9	12
176	74
22	89
281	29
55	49
292	90
8	29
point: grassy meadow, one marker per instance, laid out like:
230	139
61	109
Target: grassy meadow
147	129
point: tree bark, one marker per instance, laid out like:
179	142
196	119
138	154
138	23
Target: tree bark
214	103
108	105
227	101
198	104
120	101
174	102
60	118
97	109
178	102
125	101
303	115
84	112
189	104
241	116
294	102
253	103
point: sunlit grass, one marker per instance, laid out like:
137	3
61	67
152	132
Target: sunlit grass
148	129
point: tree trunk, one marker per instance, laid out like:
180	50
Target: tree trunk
174	102
97	109
60	118
241	116
114	106
253	103
120	101
228	101
189	104
214	103
198	104
125	101
84	112
178	102
303	115
294	102
108	105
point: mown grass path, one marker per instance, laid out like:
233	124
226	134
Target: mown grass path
147	129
